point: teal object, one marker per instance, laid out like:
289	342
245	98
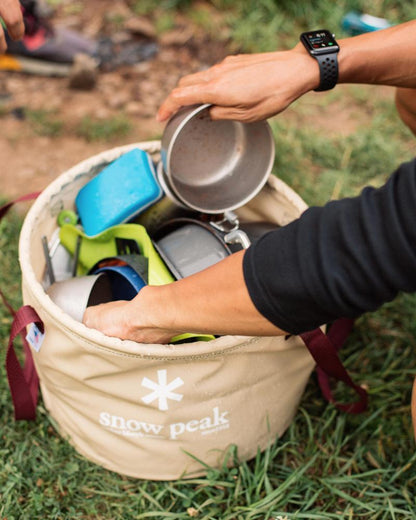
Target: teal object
356	23
118	193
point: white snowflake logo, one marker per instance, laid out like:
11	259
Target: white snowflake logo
162	391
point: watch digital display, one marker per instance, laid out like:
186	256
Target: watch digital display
318	42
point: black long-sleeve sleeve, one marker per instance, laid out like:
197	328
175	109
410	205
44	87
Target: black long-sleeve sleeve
340	260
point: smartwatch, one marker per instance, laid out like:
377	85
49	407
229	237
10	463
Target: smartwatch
322	46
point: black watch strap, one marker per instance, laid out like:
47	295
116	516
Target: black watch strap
322	46
328	69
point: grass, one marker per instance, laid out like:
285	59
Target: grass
47	123
44	122
114	127
328	465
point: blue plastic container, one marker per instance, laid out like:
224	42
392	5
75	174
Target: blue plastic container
118	193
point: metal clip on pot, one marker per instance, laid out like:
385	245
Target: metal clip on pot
237	236
228	222
229	227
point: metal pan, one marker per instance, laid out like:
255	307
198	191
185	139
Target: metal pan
188	246
215	166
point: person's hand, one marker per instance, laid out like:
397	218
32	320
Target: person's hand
128	320
11	13
247	87
160	312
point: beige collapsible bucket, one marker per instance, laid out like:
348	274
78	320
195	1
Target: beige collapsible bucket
150	411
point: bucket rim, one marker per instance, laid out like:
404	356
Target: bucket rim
94	338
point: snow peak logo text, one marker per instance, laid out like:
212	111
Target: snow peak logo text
135	428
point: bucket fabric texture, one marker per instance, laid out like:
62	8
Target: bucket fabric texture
159	411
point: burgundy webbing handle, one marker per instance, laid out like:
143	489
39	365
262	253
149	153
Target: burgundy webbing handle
323	348
29	196
23	382
3	210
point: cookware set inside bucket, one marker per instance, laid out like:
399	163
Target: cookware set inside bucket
138	223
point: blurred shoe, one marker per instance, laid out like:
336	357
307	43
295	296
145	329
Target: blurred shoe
58	45
112	54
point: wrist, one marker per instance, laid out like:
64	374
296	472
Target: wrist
309	67
323	48
151	308
140	311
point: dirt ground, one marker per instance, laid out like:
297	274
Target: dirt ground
30	161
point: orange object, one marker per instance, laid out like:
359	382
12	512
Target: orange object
8	62
33	66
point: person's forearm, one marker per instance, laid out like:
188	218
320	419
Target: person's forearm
386	57
340	260
254	87
213	301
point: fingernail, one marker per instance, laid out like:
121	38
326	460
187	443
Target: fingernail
160	117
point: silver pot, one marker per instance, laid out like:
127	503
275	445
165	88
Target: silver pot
188	246
215	166
165	185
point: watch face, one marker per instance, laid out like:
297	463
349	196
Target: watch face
319	42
